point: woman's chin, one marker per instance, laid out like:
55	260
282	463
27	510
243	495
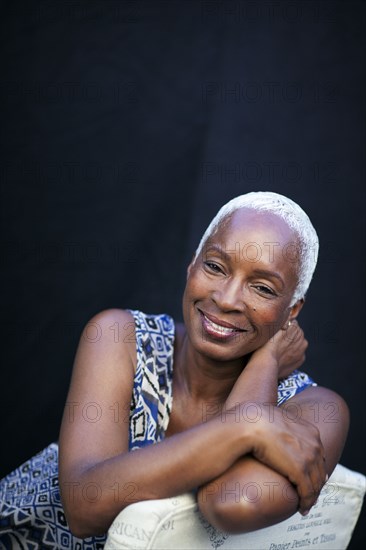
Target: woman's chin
222	349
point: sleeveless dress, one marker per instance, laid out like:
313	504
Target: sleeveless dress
31	514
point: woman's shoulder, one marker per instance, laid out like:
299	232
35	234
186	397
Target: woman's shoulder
330	400
123	325
108	337
112	314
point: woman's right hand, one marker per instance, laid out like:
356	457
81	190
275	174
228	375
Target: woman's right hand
294	449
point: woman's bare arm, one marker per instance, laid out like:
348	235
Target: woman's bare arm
99	477
257	492
251	495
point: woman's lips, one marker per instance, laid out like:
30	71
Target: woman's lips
219	329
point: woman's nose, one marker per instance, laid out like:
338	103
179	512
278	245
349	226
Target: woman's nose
229	296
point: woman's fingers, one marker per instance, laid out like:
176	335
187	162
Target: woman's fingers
294	449
309	486
311	475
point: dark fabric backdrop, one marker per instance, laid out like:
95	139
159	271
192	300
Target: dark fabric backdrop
125	126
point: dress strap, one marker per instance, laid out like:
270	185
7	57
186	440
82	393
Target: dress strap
151	402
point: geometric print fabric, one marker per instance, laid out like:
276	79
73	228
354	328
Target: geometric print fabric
152	390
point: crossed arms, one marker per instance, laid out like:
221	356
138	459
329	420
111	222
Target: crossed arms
276	465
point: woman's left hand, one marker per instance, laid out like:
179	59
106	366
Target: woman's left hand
288	347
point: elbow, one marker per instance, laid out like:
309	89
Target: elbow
78	528
87	513
82	524
87	524
234	514
231	515
84	519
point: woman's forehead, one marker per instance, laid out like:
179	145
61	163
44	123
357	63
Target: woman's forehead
257	237
247	223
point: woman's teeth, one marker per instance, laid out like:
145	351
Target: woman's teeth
219	328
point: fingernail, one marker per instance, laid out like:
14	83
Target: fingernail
305	513
326	478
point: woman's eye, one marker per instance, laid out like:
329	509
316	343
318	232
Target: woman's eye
265	290
213	267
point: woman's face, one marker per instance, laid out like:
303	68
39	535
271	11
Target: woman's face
239	289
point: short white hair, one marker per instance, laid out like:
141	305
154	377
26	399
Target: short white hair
295	218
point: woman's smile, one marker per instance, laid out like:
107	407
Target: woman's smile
219	329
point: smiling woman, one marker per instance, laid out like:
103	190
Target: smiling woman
228	286
192	391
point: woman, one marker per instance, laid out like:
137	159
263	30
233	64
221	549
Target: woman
219	395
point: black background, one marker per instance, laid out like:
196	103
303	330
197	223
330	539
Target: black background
125	126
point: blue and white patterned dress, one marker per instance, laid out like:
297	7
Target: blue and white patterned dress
31	514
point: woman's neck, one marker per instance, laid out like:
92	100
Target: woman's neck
199	376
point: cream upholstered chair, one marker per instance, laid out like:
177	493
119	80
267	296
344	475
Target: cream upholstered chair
175	523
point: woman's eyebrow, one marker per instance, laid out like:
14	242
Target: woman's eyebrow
217	248
228	257
269	273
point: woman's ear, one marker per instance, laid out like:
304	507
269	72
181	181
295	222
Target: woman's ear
293	312
296	308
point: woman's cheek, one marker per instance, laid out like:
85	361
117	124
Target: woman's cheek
198	285
268	318
268	321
